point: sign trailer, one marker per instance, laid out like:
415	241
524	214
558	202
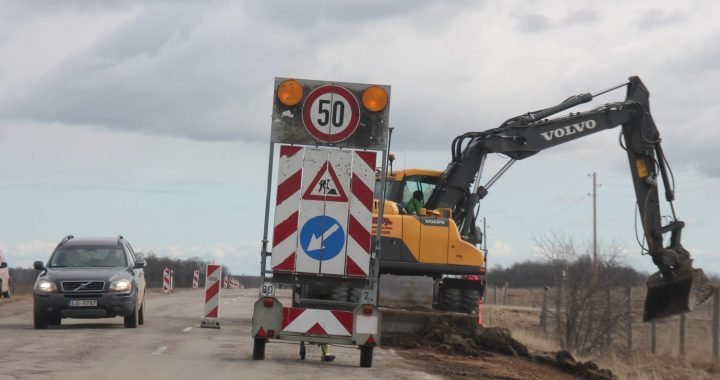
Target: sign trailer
328	134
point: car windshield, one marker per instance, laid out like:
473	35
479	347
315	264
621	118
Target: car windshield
89	256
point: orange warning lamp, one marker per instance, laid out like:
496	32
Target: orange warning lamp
290	92
374	98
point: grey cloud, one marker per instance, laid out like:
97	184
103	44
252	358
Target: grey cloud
581	17
658	18
533	23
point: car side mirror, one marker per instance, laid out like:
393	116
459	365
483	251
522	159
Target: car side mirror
140	264
423	211
38	265
3	265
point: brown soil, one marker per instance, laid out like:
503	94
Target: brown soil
459	349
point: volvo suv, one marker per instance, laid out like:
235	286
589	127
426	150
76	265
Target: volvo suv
90	278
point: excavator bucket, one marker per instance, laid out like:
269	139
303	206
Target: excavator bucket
687	290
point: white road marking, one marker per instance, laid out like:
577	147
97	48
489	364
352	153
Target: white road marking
187	329
160	350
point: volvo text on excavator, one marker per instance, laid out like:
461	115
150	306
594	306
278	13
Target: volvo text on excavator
440	242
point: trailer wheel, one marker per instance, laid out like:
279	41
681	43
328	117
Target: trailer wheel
450	299
366	355
470	299
259	349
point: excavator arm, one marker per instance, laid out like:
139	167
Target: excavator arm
677	287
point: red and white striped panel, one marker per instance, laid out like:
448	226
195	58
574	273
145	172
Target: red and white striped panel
360	218
287	203
225	282
166	280
335	167
212	290
196	279
317	322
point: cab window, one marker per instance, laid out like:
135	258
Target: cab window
414	183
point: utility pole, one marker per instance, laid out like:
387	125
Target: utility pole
594	196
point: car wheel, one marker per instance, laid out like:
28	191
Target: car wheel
141	314
54	320
39	319
131	321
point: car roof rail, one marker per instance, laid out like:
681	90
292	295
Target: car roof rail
65	239
120	239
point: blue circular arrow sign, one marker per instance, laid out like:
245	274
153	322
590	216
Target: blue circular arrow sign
322	238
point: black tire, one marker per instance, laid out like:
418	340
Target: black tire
259	349
303	351
340	293
39	319
470	300
366	356
450	299
54	320
131	321
141	314
6	294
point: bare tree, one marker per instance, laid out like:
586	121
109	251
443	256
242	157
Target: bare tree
590	312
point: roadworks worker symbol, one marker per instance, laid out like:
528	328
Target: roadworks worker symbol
322	238
326	186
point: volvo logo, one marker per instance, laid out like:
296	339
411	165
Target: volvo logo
569	130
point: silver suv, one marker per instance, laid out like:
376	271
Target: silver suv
90	278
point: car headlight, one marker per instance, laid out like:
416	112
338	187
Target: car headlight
46	286
123	285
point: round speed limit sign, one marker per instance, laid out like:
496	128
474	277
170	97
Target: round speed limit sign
331	113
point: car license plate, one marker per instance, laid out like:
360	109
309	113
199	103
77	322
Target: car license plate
82	303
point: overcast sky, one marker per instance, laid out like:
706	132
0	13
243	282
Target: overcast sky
151	119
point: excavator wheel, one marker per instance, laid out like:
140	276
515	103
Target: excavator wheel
470	299
450	299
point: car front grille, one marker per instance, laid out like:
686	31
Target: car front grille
82	286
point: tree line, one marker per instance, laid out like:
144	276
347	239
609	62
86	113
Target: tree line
183	269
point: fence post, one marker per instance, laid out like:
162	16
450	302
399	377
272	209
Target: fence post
495	302
558	313
629	316
606	326
505	291
653	340
716	325
543	312
683	325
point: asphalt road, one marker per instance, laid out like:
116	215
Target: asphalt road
171	345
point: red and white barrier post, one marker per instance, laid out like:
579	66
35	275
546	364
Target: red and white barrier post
167	286
225	282
211	319
172	278
196	279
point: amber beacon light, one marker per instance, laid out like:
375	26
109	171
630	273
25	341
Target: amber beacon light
290	92
374	98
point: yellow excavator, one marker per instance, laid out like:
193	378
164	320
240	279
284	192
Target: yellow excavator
440	240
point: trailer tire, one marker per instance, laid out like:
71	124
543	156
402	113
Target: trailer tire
259	349
470	300
366	356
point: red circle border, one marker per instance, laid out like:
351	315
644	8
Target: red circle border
354	108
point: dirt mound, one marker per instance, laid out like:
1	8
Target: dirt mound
464	337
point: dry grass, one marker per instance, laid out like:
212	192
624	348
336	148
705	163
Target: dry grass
521	314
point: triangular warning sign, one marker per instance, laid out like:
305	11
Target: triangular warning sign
326	186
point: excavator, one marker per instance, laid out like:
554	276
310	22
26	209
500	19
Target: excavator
440	241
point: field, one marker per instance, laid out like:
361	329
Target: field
521	314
